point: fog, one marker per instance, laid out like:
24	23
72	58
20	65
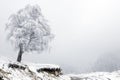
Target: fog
83	29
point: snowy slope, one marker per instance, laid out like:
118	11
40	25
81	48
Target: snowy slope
28	71
97	76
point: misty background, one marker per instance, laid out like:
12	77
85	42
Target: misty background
85	32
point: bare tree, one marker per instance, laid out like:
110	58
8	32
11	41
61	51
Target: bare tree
28	30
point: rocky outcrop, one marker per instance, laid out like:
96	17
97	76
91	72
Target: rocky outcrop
19	71
13	65
54	71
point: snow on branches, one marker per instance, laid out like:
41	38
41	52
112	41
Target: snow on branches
29	28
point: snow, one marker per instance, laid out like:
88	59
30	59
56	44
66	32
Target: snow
30	73
97	76
34	67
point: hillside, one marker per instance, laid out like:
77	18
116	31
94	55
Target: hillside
97	76
29	71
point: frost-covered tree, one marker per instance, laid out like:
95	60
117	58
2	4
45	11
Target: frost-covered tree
28	30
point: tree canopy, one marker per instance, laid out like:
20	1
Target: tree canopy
28	29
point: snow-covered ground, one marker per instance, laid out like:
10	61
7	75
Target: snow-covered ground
97	76
30	72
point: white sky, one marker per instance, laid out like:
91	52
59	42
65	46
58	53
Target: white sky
83	30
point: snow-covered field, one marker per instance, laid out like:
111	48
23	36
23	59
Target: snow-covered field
28	71
97	76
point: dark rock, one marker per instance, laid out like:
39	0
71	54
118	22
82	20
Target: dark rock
16	66
1	78
54	71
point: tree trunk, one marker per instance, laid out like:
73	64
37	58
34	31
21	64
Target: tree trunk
19	58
